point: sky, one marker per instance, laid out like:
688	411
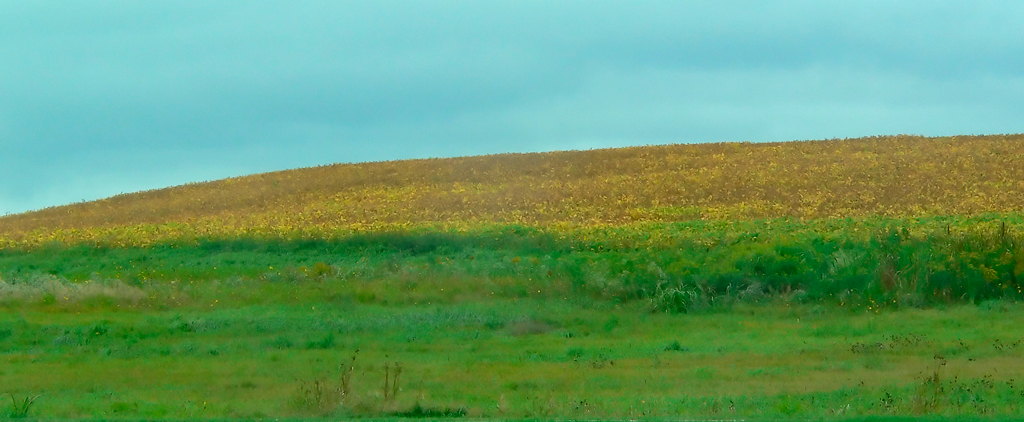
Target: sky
99	98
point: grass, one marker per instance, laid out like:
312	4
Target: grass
674	267
801	361
20	408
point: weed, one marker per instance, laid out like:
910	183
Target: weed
541	407
321	270
674	346
418	411
905	341
326	342
600	361
926	398
888	402
1005	346
392	373
574	353
20	408
346	376
867	347
311	395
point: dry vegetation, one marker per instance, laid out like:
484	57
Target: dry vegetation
889	176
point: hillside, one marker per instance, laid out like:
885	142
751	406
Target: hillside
705	280
890	176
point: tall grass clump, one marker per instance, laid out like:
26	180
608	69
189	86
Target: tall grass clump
45	289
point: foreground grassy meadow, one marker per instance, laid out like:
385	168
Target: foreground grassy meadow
516	359
809	280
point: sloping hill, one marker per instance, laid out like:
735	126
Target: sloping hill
892	176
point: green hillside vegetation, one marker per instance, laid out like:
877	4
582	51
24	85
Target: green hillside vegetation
674	267
827	279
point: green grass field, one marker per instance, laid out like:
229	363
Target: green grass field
515	359
823	319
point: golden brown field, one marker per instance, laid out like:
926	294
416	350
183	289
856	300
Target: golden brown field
890	176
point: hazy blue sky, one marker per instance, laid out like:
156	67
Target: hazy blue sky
103	97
